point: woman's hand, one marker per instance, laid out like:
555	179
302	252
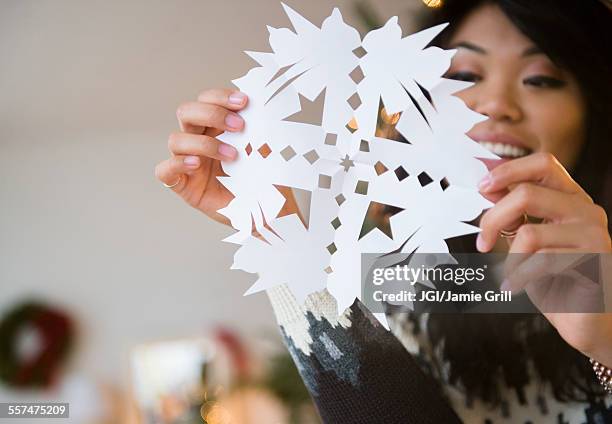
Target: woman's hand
196	152
537	185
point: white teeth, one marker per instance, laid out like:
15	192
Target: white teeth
501	149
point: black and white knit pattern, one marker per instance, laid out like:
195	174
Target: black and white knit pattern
358	372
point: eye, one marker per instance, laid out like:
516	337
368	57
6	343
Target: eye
464	76
543	81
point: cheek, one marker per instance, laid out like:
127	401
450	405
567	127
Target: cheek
557	121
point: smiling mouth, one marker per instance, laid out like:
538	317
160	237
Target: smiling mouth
504	150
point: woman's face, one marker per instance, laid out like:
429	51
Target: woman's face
532	104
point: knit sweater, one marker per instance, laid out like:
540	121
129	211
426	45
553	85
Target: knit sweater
358	372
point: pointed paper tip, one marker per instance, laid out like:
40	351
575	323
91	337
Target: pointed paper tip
253	289
425	36
236	238
437	29
253	55
291	14
297	20
286	7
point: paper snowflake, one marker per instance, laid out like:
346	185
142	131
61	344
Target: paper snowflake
432	178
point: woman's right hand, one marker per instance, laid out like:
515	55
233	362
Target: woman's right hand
196	153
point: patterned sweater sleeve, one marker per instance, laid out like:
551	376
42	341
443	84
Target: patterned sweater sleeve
355	370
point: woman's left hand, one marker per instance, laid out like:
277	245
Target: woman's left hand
537	185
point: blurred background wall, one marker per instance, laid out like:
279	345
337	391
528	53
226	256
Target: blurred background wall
88	92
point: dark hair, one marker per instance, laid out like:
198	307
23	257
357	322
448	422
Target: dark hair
482	350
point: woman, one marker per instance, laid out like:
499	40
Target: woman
540	72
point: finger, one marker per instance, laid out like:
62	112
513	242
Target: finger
171	170
531	238
534	237
230	99
521	269
548	265
200	145
526	198
495	196
540	168
195	116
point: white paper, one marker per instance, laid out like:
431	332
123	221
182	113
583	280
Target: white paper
332	161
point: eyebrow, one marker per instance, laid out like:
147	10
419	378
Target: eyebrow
469	46
529	51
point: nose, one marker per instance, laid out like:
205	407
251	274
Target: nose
497	101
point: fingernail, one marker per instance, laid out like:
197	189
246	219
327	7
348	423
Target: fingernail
233	121
480	243
237	98
191	161
485	182
227	151
505	285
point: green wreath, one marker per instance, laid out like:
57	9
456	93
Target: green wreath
56	333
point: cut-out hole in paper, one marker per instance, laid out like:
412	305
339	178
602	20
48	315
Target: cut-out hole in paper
362	187
248	149
310	112
360	52
264	150
425	93
424	179
444	183
311	156
336	223
324	181
352	125
332	248
347	163
378	216
418	107
303	199
288	194
380	168
357	75
285	85
354	101
282	71
364	146
392	119
288	153
328	270
401	173
387	123
330	139
340	199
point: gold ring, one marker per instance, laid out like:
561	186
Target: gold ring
175	184
512	233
